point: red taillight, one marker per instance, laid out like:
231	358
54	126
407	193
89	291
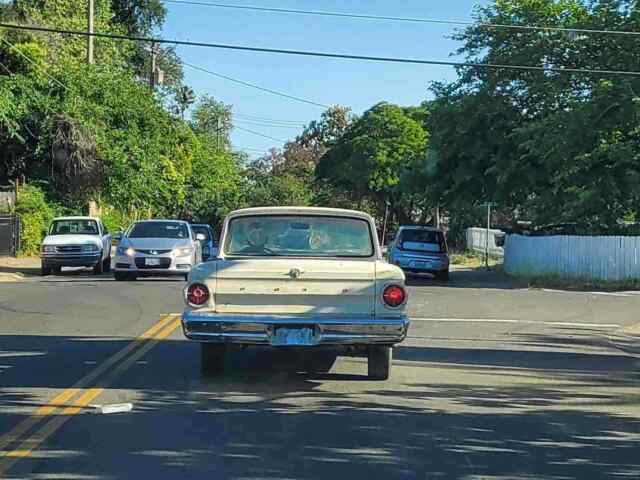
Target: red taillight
394	295
197	294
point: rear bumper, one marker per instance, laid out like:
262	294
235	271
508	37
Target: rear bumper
261	329
88	260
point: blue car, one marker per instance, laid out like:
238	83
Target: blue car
204	233
417	249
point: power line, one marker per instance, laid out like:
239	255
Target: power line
257	87
399	19
259	134
271	120
414	61
33	62
270	125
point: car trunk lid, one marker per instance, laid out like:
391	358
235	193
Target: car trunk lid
327	287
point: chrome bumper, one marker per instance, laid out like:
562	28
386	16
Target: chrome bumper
261	329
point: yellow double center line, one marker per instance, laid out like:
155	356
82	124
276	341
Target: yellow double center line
115	365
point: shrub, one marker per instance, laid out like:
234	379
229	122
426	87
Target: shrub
35	216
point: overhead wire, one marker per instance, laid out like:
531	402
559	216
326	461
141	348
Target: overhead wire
262	124
359	16
271	120
258	134
416	61
33	62
257	87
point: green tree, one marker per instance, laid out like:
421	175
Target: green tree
550	146
213	119
374	155
185	97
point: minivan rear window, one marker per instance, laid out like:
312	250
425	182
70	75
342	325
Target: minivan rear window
429	241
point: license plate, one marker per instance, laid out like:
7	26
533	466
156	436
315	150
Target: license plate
293	336
420	264
152	262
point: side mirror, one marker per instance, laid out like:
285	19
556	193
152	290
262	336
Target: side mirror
200	237
116	237
499	239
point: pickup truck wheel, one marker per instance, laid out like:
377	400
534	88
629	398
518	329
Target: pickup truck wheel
379	362
106	264
98	268
212	358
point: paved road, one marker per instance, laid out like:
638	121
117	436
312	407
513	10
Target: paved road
495	382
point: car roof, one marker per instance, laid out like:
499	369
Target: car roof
419	227
334	212
76	217
155	220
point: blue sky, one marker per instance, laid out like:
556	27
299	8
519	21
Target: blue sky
358	85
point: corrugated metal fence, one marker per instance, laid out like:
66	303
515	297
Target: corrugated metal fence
476	241
601	258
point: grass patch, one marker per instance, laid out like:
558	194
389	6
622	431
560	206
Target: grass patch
472	259
582	284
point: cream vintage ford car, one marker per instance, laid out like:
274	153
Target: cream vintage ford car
297	277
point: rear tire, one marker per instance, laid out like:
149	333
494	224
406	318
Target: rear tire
45	270
379	362
212	357
56	270
120	276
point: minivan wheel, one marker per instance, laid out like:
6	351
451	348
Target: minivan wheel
379	362
212	358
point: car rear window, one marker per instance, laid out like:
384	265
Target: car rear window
299	236
423	241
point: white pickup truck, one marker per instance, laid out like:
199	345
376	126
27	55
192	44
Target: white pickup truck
76	242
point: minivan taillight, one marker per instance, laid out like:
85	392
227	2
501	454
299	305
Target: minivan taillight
394	296
197	294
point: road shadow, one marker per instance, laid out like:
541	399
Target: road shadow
266	417
470	278
26	270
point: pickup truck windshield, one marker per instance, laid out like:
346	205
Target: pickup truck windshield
74	227
299	236
422	241
158	230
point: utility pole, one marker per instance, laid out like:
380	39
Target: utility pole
90	31
384	225
218	133
486	239
154	60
